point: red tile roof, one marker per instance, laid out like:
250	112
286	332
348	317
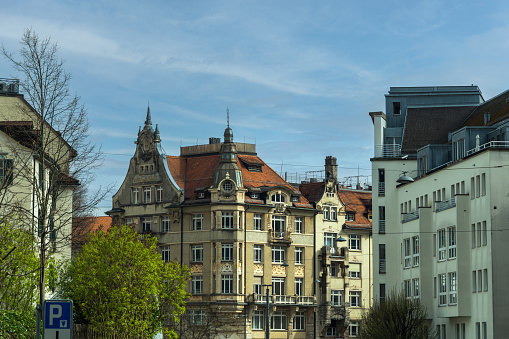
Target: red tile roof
358	202
313	191
83	226
197	172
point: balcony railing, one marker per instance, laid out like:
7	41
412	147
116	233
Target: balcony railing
285	299
381	226
410	216
499	144
337	252
381	188
382	266
444	205
280	236
387	151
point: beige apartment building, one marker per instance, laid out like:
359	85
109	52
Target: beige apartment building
239	227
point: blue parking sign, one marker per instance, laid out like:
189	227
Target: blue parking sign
58	319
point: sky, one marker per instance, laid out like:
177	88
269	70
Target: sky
299	78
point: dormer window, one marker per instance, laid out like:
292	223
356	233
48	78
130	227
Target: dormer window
201	195
254	168
278	197
295	199
254	195
227	186
350	216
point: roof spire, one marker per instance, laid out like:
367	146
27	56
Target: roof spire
227	117
149	120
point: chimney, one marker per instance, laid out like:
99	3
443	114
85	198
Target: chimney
331	168
214	141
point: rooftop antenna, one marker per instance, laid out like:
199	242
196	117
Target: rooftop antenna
227	117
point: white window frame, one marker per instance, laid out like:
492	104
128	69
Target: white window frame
197	222
279	321
326	212
299	286
197	253
299	255
451	238
226	252
278	286
442	289
197	284
258	253
415	251
354	329
299	321
415	288
453	288
355	299
278	254
333	213
278	198
146	224
329	239
336	297
258	320
227	284
279	224
165	223
407	286
354	242
350	216
135	195
196	317
257	222
442	245
226	220
352	273
147	194
299	223
159	193
165	253
407	253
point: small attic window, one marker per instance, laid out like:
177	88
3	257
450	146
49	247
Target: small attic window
396	108
295	199
350	216
278	198
201	195
254	195
254	168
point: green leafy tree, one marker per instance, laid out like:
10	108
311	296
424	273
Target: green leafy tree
396	318
121	286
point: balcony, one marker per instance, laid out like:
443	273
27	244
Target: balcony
410	216
381	226
491	144
444	205
284	299
280	237
387	151
382	266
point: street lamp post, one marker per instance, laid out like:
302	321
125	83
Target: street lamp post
267	335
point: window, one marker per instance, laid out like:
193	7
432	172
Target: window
278	254
226	252
381	219
135	195
415	288
396	108
197	253
484	234
278	198
329	239
415	248
453	287
326	212
279	224
227	220
299	286
382	293
354	242
129	221
408	289
258	250
147	198
6	173
382	268
257	287
485	275
333	269
354	328
226	284
227	186
479	281
336	297
196	317
452	241
146	224
442	283
472	231
257	221
474	281
197	222
355	298
165	224
354	271
278	321
197	284
331	331
333	213
258	320
478	330
299	223
299	321
165	253
479	234
483	184
484	330
406	251
299	255
350	216
159	193
442	245
278	286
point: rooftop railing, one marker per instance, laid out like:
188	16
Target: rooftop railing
495	144
387	151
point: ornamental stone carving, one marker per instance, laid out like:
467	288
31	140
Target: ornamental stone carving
197	268
226	267
299	271
278	270
258	269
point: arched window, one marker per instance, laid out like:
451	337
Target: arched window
278	198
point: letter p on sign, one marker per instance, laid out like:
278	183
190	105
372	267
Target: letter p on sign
55	312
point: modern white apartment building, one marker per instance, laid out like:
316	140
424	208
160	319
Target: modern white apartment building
440	222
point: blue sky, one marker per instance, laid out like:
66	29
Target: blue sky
299	77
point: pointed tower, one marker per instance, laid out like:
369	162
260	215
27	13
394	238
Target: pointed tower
147	139
228	176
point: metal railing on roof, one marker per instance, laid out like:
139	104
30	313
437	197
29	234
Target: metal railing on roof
387	151
494	144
